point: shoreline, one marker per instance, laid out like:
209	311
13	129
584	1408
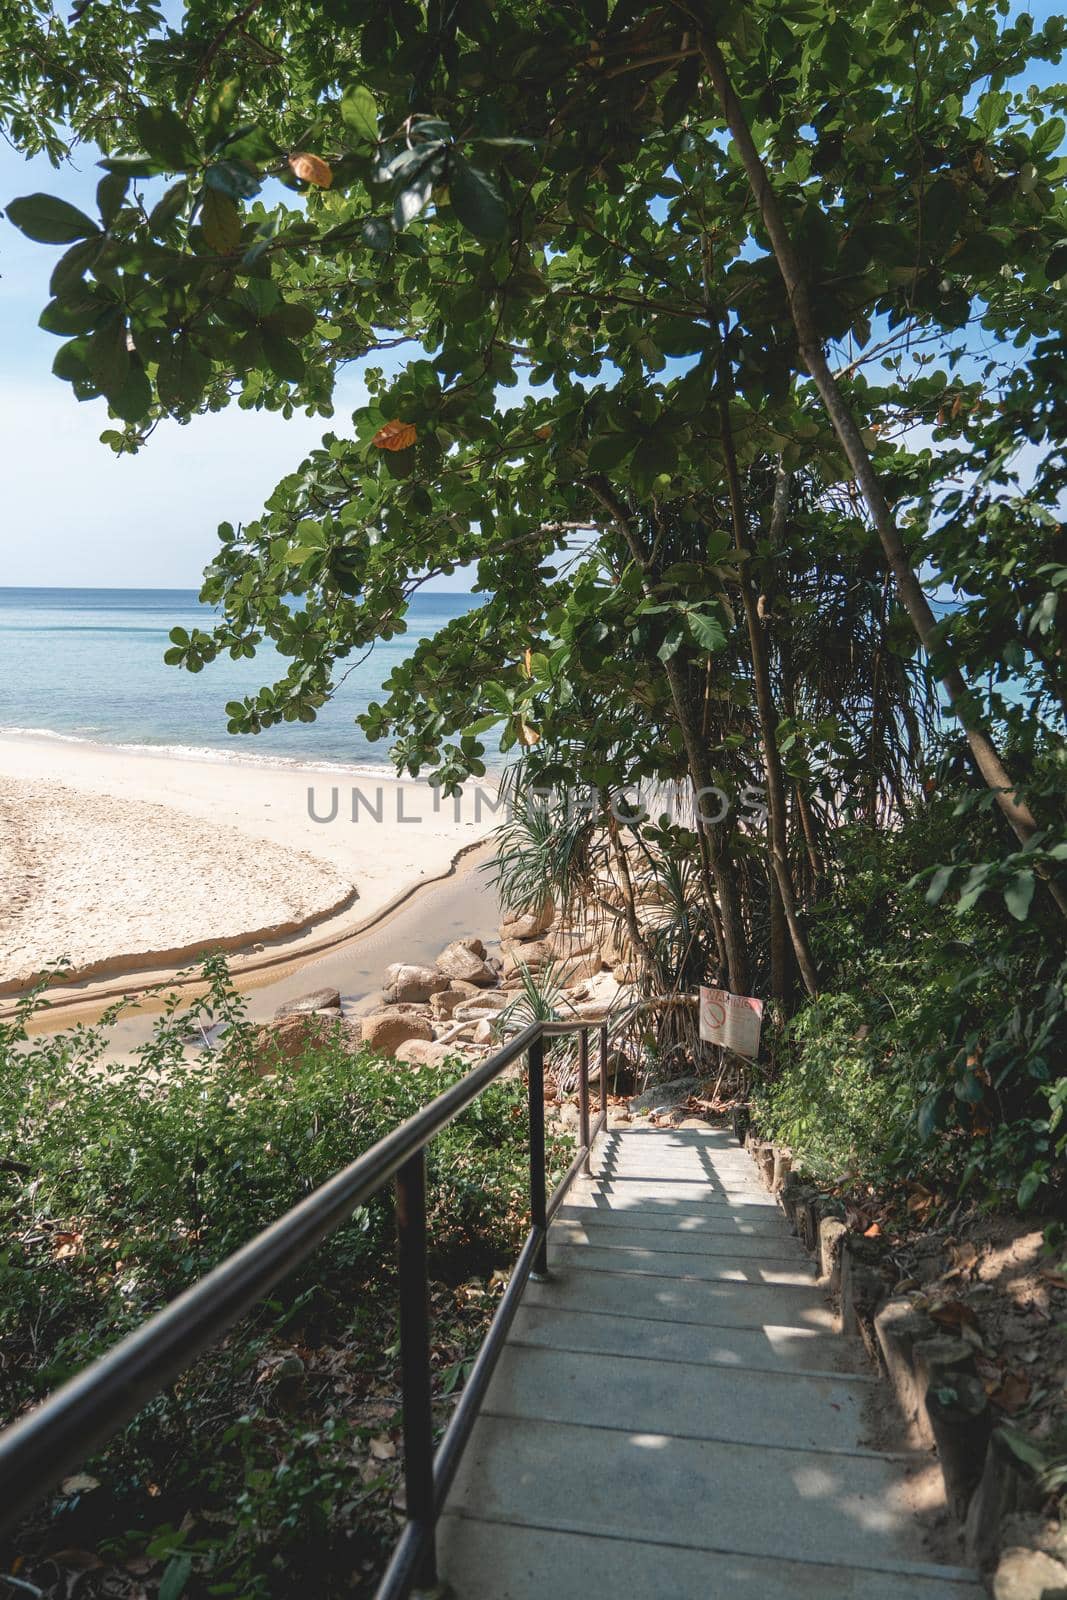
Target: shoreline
75	1005
146	862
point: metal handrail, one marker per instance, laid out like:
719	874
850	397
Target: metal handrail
38	1450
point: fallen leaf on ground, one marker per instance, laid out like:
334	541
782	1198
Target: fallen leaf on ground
382	1449
954	1314
83	1560
79	1483
1013	1392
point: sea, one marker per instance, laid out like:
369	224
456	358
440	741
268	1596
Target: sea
87	664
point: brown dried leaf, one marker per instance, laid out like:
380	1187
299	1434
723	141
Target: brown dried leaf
382	1449
81	1560
1013	1392
311	169
955	1314
964	1256
395	435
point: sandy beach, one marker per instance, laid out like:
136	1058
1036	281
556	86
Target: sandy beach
122	861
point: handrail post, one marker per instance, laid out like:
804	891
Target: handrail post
603	1066
535	1073
415	1359
583	1095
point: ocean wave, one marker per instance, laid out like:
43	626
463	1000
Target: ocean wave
212	753
219	756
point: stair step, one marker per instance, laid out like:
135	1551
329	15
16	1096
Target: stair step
666	1243
485	1561
749	1500
658	1264
716	1305
771	1348
678	1398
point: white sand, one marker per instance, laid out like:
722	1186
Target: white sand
117	860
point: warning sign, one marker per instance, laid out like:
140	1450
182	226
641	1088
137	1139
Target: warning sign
731	1020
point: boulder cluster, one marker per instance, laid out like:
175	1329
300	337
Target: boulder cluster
426	1015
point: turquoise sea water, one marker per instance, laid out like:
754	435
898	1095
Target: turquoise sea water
88	664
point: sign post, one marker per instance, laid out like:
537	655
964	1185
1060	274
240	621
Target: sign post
731	1020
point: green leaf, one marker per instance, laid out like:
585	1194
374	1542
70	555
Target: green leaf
707	629
78	312
133	402
183	372
413	199
970	1089
1019	893
646	465
930	1115
50	220
72	266
283	357
938	884
292	320
166	137
671	644
990	110
108	356
175	1577
377	233
609	450
110	193
169	207
359	112
1056	265
70	363
221	222
476	200
233	178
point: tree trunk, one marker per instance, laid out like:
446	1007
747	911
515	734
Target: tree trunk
983	750
718	884
777	835
781	947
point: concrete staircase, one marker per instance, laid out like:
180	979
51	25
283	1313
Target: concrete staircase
672	1417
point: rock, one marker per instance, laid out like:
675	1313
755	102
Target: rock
597	995
1029	1575
519	953
528	924
460	960
284	1041
665	1097
384	1030
422	1053
405	982
483	1032
444	1002
317	1000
